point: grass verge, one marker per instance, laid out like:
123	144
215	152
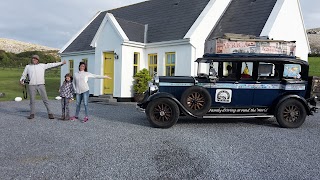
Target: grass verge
9	83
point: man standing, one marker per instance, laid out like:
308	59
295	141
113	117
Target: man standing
35	72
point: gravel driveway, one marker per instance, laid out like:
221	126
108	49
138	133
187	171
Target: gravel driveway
118	143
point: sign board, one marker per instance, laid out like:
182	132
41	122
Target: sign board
227	46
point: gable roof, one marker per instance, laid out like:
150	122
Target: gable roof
133	30
244	17
166	19
82	42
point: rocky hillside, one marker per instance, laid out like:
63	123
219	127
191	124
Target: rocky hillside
16	47
314	39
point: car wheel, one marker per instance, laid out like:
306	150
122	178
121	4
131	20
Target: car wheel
197	100
291	114
162	113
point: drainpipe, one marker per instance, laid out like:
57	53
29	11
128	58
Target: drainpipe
145	33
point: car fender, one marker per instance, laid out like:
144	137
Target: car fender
170	96
299	98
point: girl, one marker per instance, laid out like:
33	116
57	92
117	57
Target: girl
81	87
66	94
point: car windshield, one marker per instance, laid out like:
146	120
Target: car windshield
210	69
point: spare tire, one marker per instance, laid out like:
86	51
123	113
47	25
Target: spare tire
197	100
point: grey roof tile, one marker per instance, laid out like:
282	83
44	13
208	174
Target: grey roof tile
83	41
167	20
244	17
133	30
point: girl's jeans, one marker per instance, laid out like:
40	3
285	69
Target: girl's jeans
65	106
85	97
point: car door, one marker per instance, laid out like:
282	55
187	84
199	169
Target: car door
268	87
234	88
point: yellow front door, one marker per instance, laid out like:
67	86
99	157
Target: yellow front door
108	71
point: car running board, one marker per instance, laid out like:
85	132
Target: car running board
239	116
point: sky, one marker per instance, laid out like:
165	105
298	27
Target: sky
53	23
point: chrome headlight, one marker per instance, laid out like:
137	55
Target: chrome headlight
156	80
152	87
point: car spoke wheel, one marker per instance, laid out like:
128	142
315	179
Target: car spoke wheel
162	112
197	100
291	114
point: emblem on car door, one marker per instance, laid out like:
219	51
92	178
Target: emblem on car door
223	95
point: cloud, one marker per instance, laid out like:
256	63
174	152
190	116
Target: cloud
311	13
50	23
54	23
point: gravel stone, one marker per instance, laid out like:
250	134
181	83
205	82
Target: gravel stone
118	143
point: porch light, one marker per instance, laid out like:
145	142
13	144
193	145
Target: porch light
116	56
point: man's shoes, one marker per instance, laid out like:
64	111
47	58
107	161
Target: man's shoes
31	116
73	118
62	117
50	116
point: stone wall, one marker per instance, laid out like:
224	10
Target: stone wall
316	86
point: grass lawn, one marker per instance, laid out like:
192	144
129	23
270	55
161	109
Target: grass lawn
314	63
9	83
9	80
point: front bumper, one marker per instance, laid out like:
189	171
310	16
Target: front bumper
313	104
138	108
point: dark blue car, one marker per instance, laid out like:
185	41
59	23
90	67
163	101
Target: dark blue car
234	86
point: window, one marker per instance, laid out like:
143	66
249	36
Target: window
229	70
292	71
136	60
246	70
153	60
85	61
170	64
267	71
208	69
71	64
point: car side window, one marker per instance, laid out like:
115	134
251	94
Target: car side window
292	71
246	70
268	71
229	70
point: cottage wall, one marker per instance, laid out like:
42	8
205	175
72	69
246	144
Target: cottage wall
286	23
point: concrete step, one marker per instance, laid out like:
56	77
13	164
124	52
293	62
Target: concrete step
103	98
108	96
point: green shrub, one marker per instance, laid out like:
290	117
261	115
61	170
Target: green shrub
141	81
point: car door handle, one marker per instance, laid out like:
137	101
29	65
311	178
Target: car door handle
258	82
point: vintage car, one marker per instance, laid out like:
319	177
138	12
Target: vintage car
234	86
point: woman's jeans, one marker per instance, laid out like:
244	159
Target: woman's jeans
85	97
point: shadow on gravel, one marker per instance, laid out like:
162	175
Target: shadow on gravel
123	113
271	122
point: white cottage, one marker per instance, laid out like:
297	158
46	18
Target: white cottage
167	36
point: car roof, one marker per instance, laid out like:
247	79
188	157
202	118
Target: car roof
253	57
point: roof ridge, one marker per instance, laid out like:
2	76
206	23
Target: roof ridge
127	5
129	21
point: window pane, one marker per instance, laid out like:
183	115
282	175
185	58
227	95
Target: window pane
135	70
150	60
168	71
168	59
172	70
155	59
246	70
173	59
292	71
